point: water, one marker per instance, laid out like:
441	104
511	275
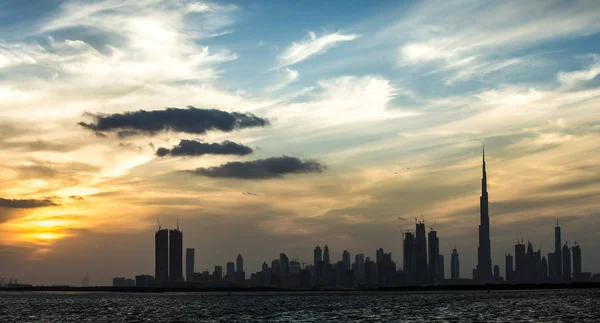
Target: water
500	306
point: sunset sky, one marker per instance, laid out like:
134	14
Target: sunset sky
274	126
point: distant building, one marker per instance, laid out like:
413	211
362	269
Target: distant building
576	251
370	273
360	268
496	273
239	262
318	259
175	255
230	271
508	267
161	255
520	262
189	263
284	263
218	274
566	262
454	265
544	274
326	258
346	259
409	257
551	266
440	264
123	282
434	255
558	258
144	281
484	253
421	271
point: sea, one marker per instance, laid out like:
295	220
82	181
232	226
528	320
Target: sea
470	306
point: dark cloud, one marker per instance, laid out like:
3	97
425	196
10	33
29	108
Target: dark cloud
273	167
26	204
197	148
76	197
190	120
250	193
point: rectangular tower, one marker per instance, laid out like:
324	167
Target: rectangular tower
409	257
175	255
454	265
161	256
558	267
189	263
421	272
576	251
434	255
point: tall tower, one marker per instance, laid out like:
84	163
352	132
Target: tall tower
189	264
566	262
434	255
576	251
239	263
421	272
454	265
558	266
161	255
409	257
484	253
346	260
326	254
175	255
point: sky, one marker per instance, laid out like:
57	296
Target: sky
273	126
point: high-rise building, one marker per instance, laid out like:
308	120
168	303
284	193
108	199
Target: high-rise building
380	270
317	264
434	255
441	275
175	255
484	251
346	260
566	262
284	263
218	274
239	262
421	272
544	268
508	267
551	266
370	273
576	251
454	265
496	273
161	255
189	263
520	262
360	268
558	276
230	271
326	258
409	257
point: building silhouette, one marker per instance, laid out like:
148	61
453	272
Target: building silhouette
239	263
189	263
434	255
326	258
566	263
161	255
346	259
454	265
441	274
284	263
576	253
421	272
318	259
175	255
520	260
484	253
359	268
508	267
496	273
230	271
558	267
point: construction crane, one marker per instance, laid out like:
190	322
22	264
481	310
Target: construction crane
432	227
567	243
159	227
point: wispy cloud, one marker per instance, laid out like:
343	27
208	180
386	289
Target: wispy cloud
300	51
577	77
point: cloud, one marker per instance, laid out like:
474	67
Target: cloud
576	77
290	76
26	204
300	51
190	120
197	148
76	198
274	167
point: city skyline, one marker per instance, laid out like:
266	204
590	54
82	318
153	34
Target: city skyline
262	133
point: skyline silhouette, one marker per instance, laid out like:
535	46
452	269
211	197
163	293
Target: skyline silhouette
265	134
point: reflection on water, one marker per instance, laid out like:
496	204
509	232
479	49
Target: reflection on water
507	306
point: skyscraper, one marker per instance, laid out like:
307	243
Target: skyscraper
520	262
317	264
326	254
441	275
484	253
454	265
230	271
346	260
175	255
508	267
420	255
284	263
544	269
360	268
551	265
161	255
189	264
409	257
434	255
239	262
566	263
496	272
576	251
557	254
